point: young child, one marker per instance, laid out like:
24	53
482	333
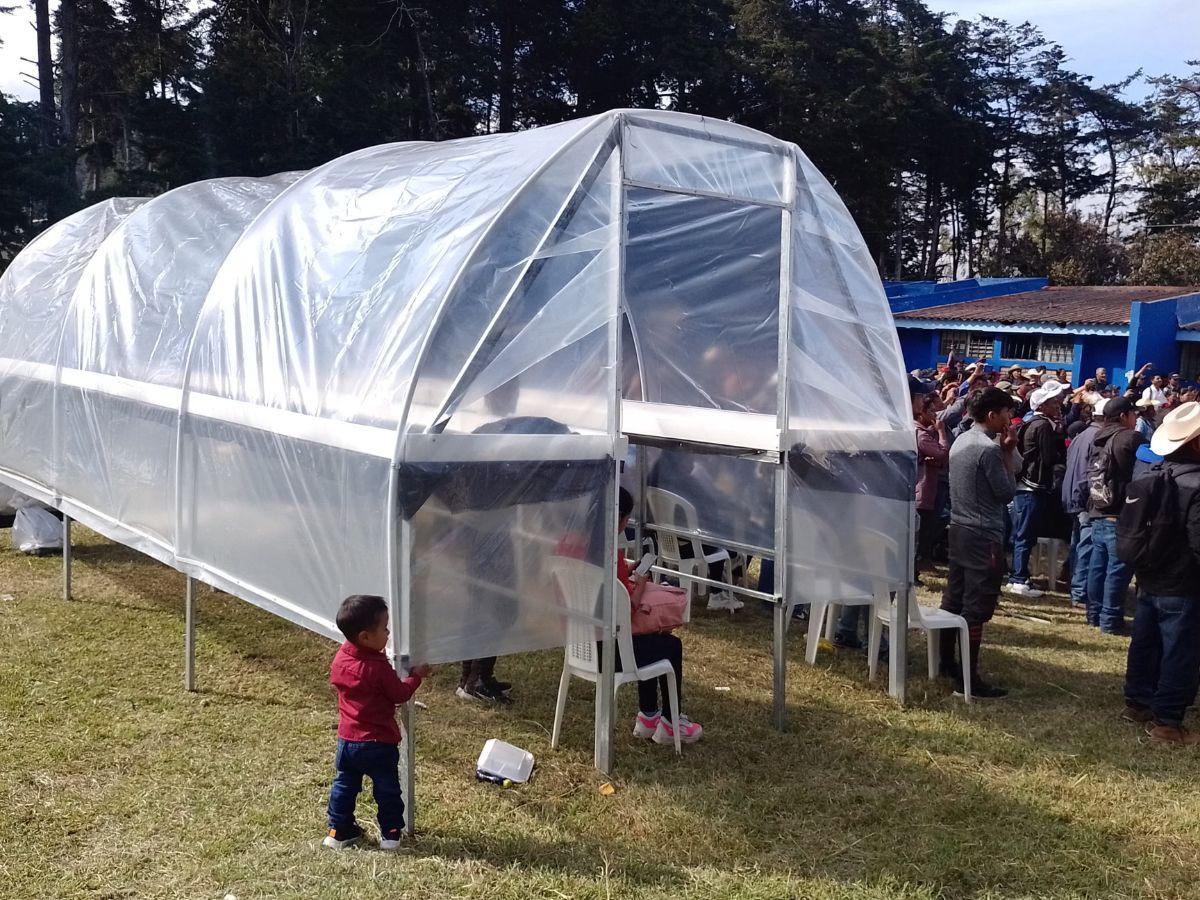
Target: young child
369	690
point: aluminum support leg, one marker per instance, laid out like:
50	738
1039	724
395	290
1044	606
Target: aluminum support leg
779	715
605	691
898	649
410	769
189	636
66	551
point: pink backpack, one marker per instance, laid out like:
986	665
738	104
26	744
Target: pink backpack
664	605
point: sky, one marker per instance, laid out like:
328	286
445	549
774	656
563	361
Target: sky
1108	39
1105	38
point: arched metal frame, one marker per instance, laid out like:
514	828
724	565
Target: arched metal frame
398	528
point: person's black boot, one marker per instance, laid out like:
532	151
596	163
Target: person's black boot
979	688
948	666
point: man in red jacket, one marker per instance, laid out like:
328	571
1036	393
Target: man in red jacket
369	690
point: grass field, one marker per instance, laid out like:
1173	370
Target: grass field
114	782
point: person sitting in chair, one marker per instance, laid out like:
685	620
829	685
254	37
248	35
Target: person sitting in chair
653	718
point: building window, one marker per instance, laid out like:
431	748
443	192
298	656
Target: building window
1189	360
966	344
1039	348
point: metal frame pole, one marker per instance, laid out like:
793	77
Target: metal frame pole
66	556
783	608
605	755
189	635
402	604
898	648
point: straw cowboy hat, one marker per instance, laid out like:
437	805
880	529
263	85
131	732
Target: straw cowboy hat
1179	426
1098	407
1145	401
1047	391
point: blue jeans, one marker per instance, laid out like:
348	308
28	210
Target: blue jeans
1163	668
848	622
1108	578
1081	557
380	763
1027	512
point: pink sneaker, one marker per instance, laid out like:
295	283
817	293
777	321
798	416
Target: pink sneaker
689	731
645	726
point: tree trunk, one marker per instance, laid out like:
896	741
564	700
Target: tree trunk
68	24
898	265
1002	204
935	230
1110	202
45	65
508	53
1045	227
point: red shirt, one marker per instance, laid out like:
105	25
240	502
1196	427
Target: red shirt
369	690
625	574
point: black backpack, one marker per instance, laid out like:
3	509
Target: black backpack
1149	529
1102	476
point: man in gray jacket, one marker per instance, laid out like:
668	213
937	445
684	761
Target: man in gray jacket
982	466
1075	502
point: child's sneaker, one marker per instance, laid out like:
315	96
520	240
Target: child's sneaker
645	726
391	839
341	838
689	731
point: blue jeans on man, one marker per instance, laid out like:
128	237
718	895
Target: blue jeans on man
377	761
1081	558
1163	667
846	634
1108	579
1026	514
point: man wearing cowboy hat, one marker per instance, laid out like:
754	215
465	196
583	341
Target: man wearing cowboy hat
1041	445
1115	449
1147	416
1163	667
1075	501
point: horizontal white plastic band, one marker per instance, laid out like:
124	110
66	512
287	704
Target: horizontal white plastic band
505	447
717	427
29	488
366	439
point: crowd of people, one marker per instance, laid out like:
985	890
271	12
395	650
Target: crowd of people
1006	458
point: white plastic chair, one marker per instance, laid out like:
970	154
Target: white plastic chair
1045	559
580	584
673	511
927	619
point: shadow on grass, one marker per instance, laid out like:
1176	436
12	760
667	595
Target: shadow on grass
848	792
866	798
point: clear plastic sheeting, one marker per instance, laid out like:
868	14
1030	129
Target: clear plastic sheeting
124	347
35	297
850	440
411	371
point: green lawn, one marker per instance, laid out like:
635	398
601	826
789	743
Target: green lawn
114	782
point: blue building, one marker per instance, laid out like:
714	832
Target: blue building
1023	321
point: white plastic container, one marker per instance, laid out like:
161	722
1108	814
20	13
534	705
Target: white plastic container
505	761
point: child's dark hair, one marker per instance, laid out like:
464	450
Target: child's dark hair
990	400
359	613
624	504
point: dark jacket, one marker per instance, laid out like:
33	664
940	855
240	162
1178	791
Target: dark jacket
1042	448
1075	481
1125	443
1181	576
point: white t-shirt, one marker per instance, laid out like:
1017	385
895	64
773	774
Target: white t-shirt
1158	395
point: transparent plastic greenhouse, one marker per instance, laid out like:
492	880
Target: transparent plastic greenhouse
419	370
